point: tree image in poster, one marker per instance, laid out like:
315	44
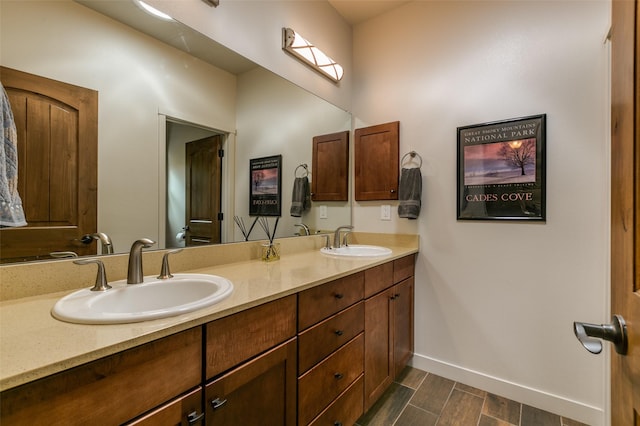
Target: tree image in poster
265	181
501	162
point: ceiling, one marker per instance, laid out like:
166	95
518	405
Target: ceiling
357	11
188	40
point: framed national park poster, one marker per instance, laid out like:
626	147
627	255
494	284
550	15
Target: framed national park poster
501	170
265	176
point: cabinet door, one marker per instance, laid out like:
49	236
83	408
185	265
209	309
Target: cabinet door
184	411
377	162
402	324
259	392
330	166
378	352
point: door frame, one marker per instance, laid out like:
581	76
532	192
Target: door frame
228	176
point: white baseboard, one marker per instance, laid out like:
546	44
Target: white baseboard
575	410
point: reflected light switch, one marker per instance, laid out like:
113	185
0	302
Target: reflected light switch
385	212
323	212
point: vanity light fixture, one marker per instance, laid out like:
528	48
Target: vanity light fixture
152	10
309	54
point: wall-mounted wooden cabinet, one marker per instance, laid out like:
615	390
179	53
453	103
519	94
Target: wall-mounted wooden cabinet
376	151
330	167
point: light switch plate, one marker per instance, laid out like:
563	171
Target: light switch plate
385	212
323	212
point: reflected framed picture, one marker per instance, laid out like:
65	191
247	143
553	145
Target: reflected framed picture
502	170
265	179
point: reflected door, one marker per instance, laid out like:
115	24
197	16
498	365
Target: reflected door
57	128
203	191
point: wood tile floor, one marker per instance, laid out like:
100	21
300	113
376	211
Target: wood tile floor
418	398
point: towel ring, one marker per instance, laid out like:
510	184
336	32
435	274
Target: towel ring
306	170
413	155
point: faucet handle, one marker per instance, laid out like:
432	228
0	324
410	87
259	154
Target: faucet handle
345	237
165	272
101	279
327	241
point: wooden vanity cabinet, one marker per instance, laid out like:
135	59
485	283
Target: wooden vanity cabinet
389	292
331	352
111	390
251	360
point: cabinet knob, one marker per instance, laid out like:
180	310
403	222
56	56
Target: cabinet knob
393	190
338	376
337	423
194	417
338	295
217	403
339	332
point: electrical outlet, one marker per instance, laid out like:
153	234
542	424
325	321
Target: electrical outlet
385	212
323	212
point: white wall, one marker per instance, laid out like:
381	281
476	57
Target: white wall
136	77
495	302
253	28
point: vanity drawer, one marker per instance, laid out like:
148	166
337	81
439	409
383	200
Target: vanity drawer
236	338
322	384
403	268
346	409
318	303
378	278
111	390
319	341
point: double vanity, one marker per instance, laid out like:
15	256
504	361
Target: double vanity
312	338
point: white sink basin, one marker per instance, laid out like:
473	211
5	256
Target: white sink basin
357	251
151	299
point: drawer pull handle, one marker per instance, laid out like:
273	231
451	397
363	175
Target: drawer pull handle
193	417
339	332
338	295
338	376
217	403
337	423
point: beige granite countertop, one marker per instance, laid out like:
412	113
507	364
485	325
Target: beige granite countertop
33	344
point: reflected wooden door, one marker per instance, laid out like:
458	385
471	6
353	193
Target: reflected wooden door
625	213
57	126
203	190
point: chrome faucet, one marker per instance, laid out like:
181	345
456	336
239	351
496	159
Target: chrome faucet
134	273
304	227
336	235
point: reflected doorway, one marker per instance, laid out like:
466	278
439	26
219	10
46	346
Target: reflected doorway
193	184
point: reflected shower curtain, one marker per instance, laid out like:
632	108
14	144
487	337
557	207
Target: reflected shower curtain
11	211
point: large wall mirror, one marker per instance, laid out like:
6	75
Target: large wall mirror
160	87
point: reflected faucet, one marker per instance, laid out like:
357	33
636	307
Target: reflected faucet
105	241
336	235
134	273
304	227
